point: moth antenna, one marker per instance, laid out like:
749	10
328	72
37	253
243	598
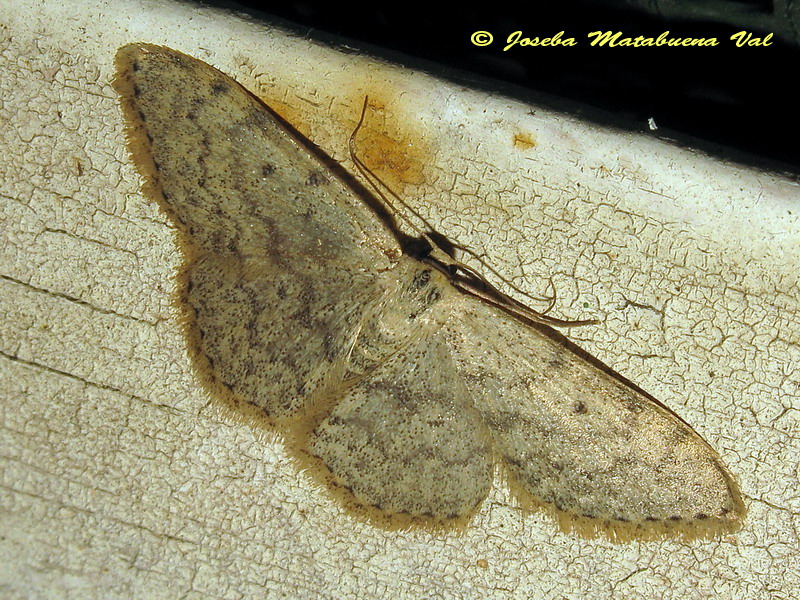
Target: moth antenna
496	297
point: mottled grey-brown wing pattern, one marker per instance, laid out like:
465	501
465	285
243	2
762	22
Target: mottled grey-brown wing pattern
282	260
407	440
574	437
387	381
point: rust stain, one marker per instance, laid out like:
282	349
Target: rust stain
391	142
524	140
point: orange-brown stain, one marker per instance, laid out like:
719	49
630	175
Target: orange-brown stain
524	141
391	142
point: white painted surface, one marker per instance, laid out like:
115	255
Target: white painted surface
120	479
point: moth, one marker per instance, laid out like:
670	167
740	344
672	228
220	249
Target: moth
396	379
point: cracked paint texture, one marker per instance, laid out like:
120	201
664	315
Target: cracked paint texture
119	480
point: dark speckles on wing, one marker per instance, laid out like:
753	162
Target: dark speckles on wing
282	291
634	405
557	361
220	87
